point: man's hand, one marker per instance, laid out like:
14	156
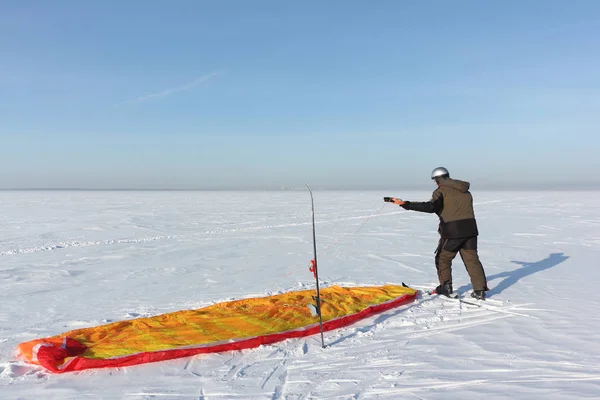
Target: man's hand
398	201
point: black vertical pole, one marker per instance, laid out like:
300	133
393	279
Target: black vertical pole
316	270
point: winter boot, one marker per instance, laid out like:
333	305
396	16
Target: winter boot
445	289
478	294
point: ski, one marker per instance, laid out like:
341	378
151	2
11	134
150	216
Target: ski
487	304
453	296
433	293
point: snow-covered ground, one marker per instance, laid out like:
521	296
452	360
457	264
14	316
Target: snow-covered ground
76	259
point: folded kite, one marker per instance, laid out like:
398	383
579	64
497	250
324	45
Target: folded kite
231	325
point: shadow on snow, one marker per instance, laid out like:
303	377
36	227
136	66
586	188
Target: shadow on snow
528	268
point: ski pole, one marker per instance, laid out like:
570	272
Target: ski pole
313	268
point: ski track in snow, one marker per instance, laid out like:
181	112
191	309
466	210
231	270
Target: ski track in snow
239	227
65	245
520	343
70	244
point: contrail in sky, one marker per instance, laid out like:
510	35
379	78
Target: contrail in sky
168	92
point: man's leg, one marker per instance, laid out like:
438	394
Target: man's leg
470	257
445	253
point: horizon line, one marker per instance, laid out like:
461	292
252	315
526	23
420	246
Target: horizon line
588	187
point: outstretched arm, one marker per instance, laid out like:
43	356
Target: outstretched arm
432	206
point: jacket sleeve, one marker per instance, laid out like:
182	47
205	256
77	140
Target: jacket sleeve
434	205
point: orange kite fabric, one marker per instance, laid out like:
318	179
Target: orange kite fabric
231	325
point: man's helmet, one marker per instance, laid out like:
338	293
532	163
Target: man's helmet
440	172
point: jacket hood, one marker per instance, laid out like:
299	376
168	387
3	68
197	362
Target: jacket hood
457	184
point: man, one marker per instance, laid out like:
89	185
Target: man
453	203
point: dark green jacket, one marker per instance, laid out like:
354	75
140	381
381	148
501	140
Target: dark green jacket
453	203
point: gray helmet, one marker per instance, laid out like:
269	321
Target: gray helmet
440	172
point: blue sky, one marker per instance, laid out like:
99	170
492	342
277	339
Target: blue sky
253	94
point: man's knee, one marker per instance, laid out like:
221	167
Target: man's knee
443	263
445	257
470	257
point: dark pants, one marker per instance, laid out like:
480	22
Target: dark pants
447	250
